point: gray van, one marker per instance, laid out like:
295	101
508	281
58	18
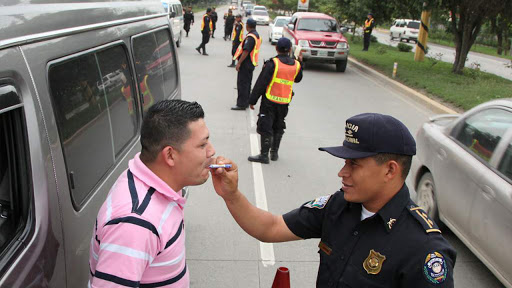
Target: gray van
75	81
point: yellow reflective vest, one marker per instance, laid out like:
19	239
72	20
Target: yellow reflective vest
209	22
241	36
280	88
255	51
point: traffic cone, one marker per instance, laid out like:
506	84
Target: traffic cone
282	279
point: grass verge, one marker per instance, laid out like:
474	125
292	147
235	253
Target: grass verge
434	77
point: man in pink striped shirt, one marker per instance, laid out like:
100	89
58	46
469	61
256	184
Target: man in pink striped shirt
139	237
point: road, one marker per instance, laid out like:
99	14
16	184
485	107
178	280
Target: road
219	253
491	64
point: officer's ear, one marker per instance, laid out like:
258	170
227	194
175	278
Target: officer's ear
393	170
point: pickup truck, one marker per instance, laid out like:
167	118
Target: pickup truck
319	37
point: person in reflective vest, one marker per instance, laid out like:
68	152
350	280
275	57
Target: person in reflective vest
369	23
247	56
275	85
237	36
206	30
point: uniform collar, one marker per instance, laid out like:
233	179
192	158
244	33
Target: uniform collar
392	210
144	174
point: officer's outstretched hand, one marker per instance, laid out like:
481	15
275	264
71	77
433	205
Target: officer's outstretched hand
225	180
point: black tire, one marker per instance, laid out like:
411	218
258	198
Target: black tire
391	36
426	196
178	43
341	65
400	37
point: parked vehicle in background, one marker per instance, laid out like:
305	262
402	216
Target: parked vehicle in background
175	11
234	5
74	87
259	7
248	9
261	17
405	29
275	30
463	178
319	37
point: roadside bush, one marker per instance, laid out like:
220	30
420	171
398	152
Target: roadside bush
381	50
402	47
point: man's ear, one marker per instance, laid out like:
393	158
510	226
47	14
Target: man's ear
169	155
392	170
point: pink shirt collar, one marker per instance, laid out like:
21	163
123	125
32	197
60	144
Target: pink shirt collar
142	172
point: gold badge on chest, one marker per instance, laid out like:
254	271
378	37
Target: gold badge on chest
373	263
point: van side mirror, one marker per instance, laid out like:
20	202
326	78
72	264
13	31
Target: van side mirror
291	27
173	14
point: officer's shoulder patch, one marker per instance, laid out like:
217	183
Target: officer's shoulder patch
435	269
318	203
428	224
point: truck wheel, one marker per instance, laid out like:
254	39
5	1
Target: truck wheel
178	43
341	65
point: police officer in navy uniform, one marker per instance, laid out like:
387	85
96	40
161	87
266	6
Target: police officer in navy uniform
237	36
369	24
206	31
275	87
247	56
371	233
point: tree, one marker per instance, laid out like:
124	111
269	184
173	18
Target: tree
501	26
467	17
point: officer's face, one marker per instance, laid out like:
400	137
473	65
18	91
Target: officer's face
195	155
362	180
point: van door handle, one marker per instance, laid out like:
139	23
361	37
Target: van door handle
488	192
441	154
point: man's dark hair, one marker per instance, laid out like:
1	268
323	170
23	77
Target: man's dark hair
166	124
403	160
251	25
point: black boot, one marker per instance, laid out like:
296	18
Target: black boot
275	147
265	147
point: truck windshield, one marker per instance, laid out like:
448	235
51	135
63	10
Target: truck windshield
319	25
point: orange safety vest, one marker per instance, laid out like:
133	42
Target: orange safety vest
210	24
255	51
280	88
367	24
241	36
147	97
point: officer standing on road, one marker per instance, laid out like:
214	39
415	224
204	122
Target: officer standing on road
189	19
372	234
247	55
275	83
206	30
369	23
214	17
237	36
229	21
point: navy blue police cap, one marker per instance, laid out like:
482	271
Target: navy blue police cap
208	10
284	44
251	22
369	134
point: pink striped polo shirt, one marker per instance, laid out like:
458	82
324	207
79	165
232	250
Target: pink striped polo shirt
139	237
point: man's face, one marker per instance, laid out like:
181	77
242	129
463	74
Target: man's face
362	179
189	9
195	155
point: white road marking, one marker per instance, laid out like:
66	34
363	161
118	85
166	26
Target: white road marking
253	118
266	249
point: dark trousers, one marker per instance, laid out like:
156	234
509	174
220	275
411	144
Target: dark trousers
243	83
214	27
235	46
227	31
271	118
206	39
366	40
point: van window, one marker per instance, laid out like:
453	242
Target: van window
14	180
96	114
155	65
413	25
179	10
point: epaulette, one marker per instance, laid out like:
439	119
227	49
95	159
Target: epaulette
428	224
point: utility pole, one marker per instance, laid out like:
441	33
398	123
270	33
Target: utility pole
421	44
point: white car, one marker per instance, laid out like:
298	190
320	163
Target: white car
261	17
276	28
259	7
405	29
